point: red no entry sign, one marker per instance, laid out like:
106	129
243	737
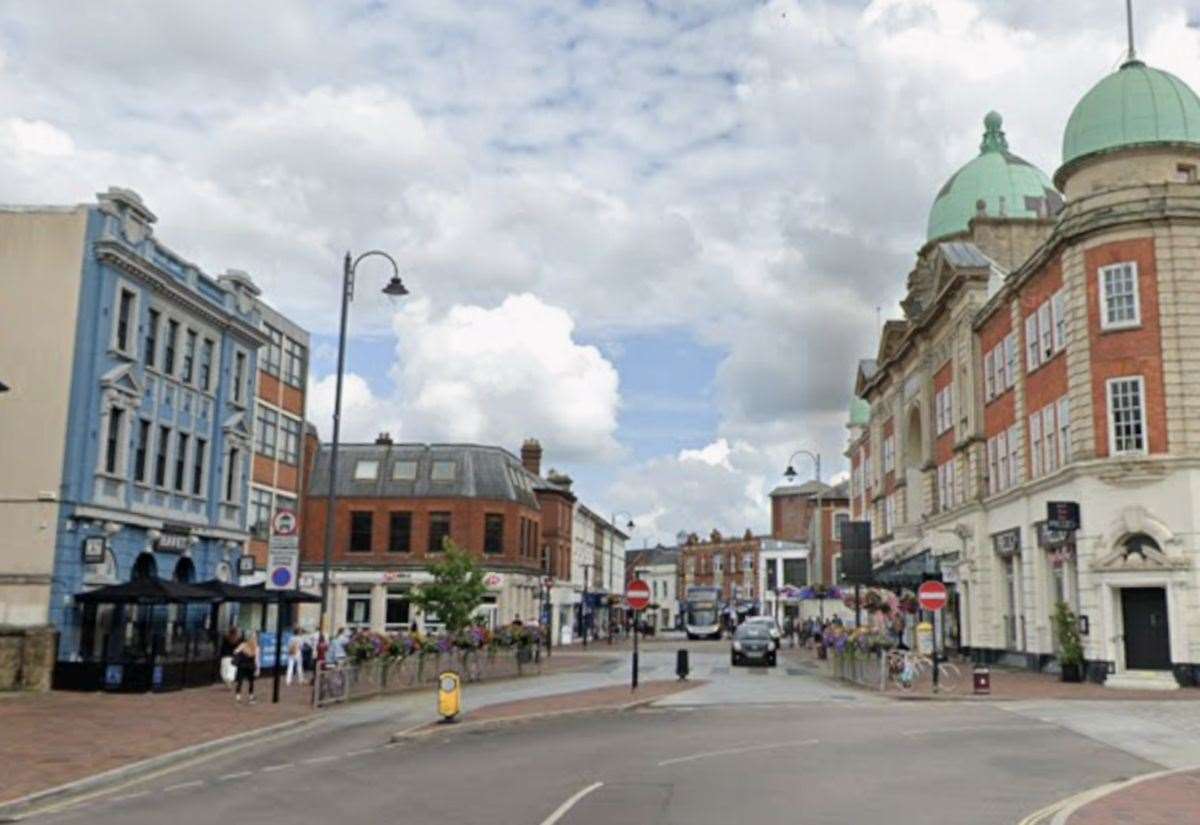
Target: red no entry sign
638	595
931	595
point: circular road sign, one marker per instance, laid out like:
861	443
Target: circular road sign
931	595
638	595
283	523
281	577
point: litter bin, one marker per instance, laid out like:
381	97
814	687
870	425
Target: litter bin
681	664
981	678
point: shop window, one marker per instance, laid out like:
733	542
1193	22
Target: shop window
397	613
358	607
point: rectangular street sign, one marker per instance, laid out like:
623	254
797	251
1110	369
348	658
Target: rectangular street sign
1062	516
283	562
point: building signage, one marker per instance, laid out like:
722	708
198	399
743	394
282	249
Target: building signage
93	550
1062	515
1008	542
494	581
174	538
1050	538
246	565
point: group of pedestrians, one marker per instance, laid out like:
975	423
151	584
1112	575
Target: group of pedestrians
810	633
241	659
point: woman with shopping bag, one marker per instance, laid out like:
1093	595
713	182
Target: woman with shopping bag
229	643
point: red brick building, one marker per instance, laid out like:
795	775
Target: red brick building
398	503
730	564
794	518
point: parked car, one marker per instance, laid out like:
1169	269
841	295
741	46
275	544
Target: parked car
752	643
771	625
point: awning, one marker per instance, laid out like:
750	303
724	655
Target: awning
148	592
229	592
909	572
286	596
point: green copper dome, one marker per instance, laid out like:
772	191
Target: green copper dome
996	183
1135	105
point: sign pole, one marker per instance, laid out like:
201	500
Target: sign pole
637	595
935	651
636	614
278	646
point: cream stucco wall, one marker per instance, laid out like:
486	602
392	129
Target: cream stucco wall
41	254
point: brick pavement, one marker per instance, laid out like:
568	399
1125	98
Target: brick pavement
1164	800
49	739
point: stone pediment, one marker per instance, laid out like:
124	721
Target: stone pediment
123	379
1147	559
1138	540
236	427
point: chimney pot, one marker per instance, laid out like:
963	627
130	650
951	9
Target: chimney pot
531	456
384	438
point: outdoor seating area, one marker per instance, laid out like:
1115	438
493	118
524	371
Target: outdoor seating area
154	634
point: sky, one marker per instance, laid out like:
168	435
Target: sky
657	236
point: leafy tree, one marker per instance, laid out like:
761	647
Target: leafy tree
456	591
1066	628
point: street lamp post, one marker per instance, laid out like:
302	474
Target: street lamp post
394	289
790	474
612	556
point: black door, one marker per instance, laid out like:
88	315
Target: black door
1147	642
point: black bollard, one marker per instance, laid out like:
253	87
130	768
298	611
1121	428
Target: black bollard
681	664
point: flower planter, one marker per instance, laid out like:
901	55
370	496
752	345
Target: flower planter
1072	672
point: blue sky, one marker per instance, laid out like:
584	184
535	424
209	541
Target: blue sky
654	235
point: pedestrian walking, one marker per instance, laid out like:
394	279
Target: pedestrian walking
295	657
229	643
246	660
337	648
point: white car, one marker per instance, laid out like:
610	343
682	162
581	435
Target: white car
771	625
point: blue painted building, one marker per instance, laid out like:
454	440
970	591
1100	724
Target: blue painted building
157	443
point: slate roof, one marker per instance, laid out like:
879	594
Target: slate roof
479	472
647	557
808	488
964	255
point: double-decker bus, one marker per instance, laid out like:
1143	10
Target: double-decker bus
702	613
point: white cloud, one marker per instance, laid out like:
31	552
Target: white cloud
487	375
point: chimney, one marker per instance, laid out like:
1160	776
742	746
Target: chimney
384	438
531	456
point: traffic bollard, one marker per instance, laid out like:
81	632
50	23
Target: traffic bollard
681	664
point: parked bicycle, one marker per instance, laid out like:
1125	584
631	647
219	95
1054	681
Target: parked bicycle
906	669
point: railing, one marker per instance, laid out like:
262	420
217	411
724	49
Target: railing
350	680
866	669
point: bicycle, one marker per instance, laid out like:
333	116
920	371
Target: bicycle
906	668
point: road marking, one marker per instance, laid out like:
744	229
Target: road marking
229	777
128	796
362	752
273	768
195	783
562	809
318	759
938	730
730	751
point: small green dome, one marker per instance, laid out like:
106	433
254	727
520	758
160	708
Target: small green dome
860	412
996	183
1134	106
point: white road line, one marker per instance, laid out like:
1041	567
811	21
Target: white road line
562	809
195	783
318	759
128	796
937	730
362	752
229	777
729	751
273	768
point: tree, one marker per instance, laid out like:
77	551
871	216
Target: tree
456	591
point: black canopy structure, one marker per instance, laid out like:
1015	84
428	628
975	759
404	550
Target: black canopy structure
149	591
285	596
229	592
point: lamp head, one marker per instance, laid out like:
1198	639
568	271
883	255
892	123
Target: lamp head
790	473
395	288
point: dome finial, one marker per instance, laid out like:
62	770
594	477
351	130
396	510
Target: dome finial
1131	57
993	135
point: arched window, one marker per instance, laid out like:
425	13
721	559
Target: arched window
1140	543
144	568
185	571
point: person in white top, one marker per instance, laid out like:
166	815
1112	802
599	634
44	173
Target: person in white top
295	658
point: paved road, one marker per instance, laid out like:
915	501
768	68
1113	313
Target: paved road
783	747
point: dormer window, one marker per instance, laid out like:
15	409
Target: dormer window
366	470
404	471
442	471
